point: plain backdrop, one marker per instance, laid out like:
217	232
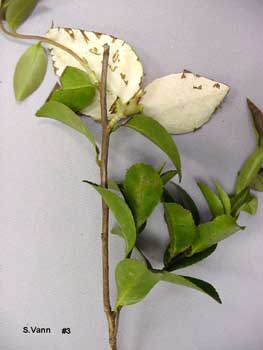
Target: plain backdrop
50	221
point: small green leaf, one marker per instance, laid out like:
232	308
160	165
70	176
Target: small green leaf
257	183
224	197
151	129
58	111
244	201
249	170
122	214
212	199
143	190
251	206
30	71
182	230
213	232
161	167
167	176
183	198
18	11
134	281
238	200
182	262
191	282
77	91
257	118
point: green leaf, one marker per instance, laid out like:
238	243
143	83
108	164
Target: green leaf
257	183
251	206
182	230
191	282
182	262
30	71
249	170
122	214
77	91
134	281
238	201
257	118
212	199
214	231
167	176
151	129
62	113
18	11
224	197
161	167
183	198
143	190
244	201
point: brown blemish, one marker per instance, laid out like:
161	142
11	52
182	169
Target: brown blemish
85	36
198	87
183	76
217	85
94	50
113	69
113	38
70	32
98	35
116	57
123	76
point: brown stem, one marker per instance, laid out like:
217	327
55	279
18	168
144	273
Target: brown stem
111	315
48	41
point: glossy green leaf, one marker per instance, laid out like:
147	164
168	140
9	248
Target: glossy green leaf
213	232
249	170
257	183
134	281
257	118
58	111
183	198
212	199
224	197
77	91
182	262
122	214
18	11
155	132
30	71
167	176
182	230
143	190
193	283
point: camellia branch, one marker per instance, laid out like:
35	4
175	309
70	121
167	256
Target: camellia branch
48	41
111	315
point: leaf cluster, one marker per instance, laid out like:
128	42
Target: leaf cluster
133	200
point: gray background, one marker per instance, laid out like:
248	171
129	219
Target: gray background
50	221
